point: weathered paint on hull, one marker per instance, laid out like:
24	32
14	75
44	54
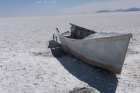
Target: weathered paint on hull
107	52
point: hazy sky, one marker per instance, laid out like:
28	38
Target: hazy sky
49	7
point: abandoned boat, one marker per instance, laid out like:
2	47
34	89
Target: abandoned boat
105	50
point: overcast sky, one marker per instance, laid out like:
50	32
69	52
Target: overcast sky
54	7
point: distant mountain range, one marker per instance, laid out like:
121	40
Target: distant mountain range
119	10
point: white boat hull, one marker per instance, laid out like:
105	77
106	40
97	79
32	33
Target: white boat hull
107	52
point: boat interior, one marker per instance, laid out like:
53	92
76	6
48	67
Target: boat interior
78	32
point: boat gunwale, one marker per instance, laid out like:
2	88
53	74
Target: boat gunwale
116	36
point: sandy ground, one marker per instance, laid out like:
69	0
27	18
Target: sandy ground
28	66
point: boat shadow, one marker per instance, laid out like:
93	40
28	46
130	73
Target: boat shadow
95	77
